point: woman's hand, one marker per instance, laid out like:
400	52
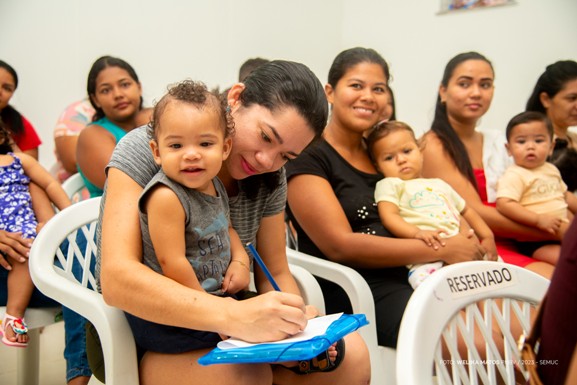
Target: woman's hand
461	248
311	311
13	246
271	316
490	246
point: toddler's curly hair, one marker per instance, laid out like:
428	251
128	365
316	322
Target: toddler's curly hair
196	93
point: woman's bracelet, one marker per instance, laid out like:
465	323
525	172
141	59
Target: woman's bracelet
241	262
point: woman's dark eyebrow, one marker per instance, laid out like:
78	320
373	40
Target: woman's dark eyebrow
275	133
280	140
466	77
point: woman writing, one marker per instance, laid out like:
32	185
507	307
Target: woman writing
331	197
277	112
116	95
472	161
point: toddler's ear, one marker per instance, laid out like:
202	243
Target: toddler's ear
422	143
508	149
155	151
226	147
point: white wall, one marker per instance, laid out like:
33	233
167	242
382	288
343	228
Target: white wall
519	39
53	43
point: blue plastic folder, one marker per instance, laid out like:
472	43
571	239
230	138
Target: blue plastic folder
293	351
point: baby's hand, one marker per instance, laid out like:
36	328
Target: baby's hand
490	249
548	223
431	238
237	277
562	230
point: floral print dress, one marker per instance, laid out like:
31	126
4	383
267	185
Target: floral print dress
16	214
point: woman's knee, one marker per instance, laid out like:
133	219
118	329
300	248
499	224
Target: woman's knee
544	269
160	369
356	365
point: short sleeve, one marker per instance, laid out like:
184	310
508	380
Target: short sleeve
73	119
386	191
312	162
276	201
132	156
28	139
510	186
457	199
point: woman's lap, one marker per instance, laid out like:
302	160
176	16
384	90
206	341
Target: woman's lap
508	251
183	368
391	297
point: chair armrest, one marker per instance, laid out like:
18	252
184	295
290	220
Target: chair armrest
309	287
350	280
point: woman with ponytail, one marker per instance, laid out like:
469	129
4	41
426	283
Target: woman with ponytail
472	161
23	134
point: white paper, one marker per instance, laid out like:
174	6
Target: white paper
315	327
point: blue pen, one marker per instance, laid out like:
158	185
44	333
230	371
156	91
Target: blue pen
263	267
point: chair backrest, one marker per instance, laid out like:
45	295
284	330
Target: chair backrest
453	306
75	188
66	243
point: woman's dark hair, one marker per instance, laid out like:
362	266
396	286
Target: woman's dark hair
527	117
12	118
551	81
350	58
98	66
392	96
279	84
5	139
441	126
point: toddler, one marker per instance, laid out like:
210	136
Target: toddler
414	207
532	191
184	210
17	216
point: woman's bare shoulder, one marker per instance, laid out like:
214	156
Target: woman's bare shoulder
430	142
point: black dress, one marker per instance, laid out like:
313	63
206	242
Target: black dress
355	192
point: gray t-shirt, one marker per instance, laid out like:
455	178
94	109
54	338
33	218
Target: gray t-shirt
132	156
206	231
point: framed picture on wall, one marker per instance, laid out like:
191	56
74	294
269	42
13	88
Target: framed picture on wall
460	5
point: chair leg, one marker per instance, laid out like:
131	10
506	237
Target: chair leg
28	360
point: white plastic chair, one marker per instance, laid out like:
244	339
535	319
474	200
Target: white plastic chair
81	296
59	283
74	187
382	358
445	307
28	359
